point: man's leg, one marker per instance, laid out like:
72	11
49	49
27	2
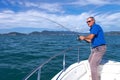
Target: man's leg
94	60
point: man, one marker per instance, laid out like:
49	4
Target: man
96	38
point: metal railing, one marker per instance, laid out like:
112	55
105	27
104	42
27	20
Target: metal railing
38	69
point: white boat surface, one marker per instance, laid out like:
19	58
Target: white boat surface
81	71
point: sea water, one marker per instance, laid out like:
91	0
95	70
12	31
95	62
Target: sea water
19	55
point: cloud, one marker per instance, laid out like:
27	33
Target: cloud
54	7
109	21
58	6
51	7
36	19
47	7
10	19
95	2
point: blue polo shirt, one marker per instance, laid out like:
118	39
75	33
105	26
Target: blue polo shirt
99	39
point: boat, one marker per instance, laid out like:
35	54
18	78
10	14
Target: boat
80	70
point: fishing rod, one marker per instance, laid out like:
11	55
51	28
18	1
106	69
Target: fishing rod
56	23
78	35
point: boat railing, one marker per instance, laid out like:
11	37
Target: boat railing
38	69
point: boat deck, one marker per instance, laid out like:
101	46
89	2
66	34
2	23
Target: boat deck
81	71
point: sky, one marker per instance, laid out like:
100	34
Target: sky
58	15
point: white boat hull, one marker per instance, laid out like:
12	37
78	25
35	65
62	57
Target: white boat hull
81	71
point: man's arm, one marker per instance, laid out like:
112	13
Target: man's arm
87	38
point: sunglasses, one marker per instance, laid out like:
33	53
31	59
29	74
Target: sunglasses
88	21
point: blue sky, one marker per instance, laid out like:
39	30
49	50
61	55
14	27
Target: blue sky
30	15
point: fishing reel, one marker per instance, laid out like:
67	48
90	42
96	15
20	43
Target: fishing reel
78	38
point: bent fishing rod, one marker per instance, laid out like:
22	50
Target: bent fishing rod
77	34
56	23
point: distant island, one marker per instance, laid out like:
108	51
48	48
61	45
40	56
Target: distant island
13	33
113	33
55	33
42	33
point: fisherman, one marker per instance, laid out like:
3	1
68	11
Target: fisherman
98	43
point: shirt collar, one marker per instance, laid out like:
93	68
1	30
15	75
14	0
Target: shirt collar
92	26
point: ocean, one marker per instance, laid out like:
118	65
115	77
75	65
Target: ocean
19	55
